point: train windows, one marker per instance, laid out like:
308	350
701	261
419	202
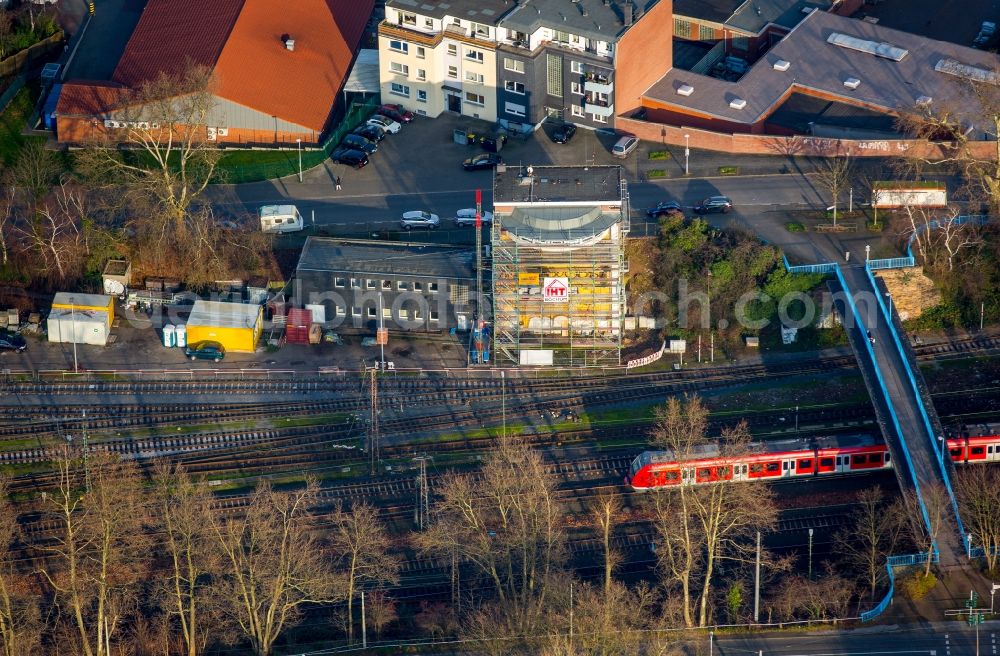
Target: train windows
671	476
756	468
773	466
887	457
989	449
805	463
875	458
826	462
785	465
858	459
704	472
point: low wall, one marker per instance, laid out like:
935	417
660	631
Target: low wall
19	60
804	146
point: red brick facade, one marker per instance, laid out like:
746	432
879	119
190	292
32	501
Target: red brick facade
644	53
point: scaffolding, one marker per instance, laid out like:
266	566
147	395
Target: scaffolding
585	328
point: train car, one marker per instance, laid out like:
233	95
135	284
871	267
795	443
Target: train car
798	458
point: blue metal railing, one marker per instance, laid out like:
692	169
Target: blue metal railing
825	267
890	563
885	394
911	376
892	263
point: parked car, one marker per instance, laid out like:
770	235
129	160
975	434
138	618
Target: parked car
370	132
12	342
206	350
384	122
482	161
357	142
419	219
624	146
396	112
986	32
663	209
351	157
467	217
713	205
563	133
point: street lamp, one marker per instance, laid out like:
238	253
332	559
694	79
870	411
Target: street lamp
687	153
299	144
889	294
868	250
993	591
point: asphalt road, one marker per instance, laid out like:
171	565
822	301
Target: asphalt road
935	639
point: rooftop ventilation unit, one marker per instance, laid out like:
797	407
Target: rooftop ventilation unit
685	90
852	83
288	41
974	73
884	50
781	65
737	103
924	100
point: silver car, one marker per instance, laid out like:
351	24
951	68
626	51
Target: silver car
467	217
384	122
419	219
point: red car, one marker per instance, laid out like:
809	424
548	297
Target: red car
396	113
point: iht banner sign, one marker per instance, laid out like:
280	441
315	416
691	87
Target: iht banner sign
555	290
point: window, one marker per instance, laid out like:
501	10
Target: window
340	282
452	49
355	311
977	451
475	98
386	313
858	460
478	29
706	33
421	96
564	37
576	88
597	118
474	55
453	72
418	286
554	77
826	462
399	46
471	76
356	283
371	284
417	314
421	74
399	69
682	28
577	111
741	43
401	286
429	23
434	315
672	476
805	463
420	52
515	65
433	287
773	466
756	468
515	109
399	89
386	285
371	312
407	18
576	67
514	87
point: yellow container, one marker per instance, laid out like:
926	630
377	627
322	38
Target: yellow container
82	302
237	326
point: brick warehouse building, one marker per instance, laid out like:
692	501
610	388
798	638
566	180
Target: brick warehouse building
267	91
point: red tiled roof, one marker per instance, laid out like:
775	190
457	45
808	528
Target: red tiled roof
172	32
241	41
299	86
89	98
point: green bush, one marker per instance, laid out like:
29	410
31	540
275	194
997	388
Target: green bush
659	154
916	585
729	170
656	173
794	226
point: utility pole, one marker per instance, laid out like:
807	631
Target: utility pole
479	271
373	427
364	625
712	336
503	400
810	554
699	349
422	509
86	454
796	419
982	311
571	617
756	586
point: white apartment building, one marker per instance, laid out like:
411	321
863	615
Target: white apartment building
439	57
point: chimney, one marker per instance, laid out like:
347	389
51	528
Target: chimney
288	41
627	9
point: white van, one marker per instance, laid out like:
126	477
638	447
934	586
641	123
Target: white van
624	146
280	219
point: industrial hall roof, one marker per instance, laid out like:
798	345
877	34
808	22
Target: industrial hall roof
241	41
557	184
385	258
836	58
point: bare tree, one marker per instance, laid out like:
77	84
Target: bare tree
96	562
505	521
380	611
273	564
978	492
34	171
6	224
19	621
6	31
826	597
184	514
939	235
871	537
937	505
607	513
360	541
835	174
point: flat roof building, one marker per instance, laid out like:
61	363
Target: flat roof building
558	264
237	326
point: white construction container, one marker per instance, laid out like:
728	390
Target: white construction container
169	336
180	335
80	327
280	219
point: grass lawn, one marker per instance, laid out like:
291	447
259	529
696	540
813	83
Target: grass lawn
13	121
239	166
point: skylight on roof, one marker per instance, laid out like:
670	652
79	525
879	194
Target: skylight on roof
884	50
974	73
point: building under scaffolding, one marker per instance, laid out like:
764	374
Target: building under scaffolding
559	264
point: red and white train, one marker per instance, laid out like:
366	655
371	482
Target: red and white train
797	458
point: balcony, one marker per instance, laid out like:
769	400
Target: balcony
595	82
598	107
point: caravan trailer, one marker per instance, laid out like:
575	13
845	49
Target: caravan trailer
280	219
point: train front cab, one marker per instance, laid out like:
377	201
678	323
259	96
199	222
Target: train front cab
964	450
